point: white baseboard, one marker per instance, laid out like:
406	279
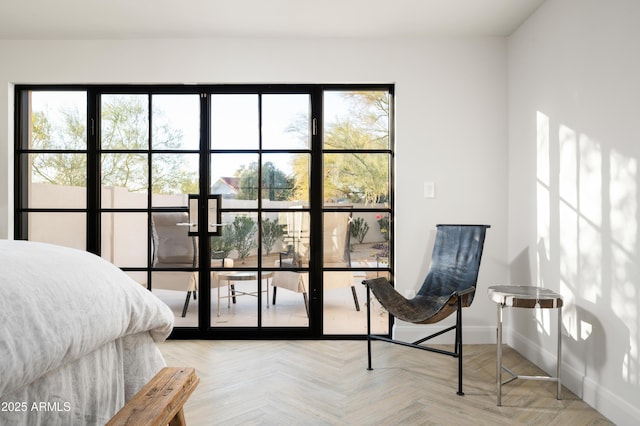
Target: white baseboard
597	396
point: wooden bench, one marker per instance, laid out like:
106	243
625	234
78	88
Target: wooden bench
160	401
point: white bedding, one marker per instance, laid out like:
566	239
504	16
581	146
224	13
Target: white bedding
76	335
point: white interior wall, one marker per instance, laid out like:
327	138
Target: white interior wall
572	71
573	184
450	106
574	152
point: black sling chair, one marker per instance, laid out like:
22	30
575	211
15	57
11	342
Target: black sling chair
449	286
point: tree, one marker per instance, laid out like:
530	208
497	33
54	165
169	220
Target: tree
358	177
277	186
354	176
59	169
123	127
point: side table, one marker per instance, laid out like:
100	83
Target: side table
232	292
529	297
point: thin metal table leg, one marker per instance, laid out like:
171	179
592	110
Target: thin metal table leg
218	299
499	360
559	359
261	290
368	328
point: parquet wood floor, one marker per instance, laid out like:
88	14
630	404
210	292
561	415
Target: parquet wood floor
325	382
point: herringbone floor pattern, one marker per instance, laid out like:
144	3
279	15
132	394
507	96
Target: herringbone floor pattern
327	383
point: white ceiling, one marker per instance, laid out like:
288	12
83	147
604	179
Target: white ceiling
128	19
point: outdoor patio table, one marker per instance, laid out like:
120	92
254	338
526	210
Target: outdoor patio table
233	276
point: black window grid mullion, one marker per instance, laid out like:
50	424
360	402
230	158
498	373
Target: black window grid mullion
149	195
21	194
94	174
52	151
259	212
204	251
316	186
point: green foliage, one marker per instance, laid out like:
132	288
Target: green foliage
271	231
242	234
123	126
359	228
355	176
224	243
276	185
359	177
383	223
59	169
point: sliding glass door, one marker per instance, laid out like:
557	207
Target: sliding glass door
260	164
251	211
149	164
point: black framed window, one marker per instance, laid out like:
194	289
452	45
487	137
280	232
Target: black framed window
307	169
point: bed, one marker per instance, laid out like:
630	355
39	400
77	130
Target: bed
77	336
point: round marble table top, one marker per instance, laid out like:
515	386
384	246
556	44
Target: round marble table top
524	296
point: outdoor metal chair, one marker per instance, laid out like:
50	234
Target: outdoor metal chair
336	254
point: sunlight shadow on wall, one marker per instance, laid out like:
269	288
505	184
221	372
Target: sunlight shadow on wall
625	297
544	267
588	243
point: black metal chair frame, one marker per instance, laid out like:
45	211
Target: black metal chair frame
457	350
456	353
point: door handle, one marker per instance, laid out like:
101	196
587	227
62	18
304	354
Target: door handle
214	224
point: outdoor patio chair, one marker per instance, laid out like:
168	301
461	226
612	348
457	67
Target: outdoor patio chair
336	254
448	287
172	247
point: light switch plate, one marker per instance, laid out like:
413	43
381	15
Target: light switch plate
429	190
